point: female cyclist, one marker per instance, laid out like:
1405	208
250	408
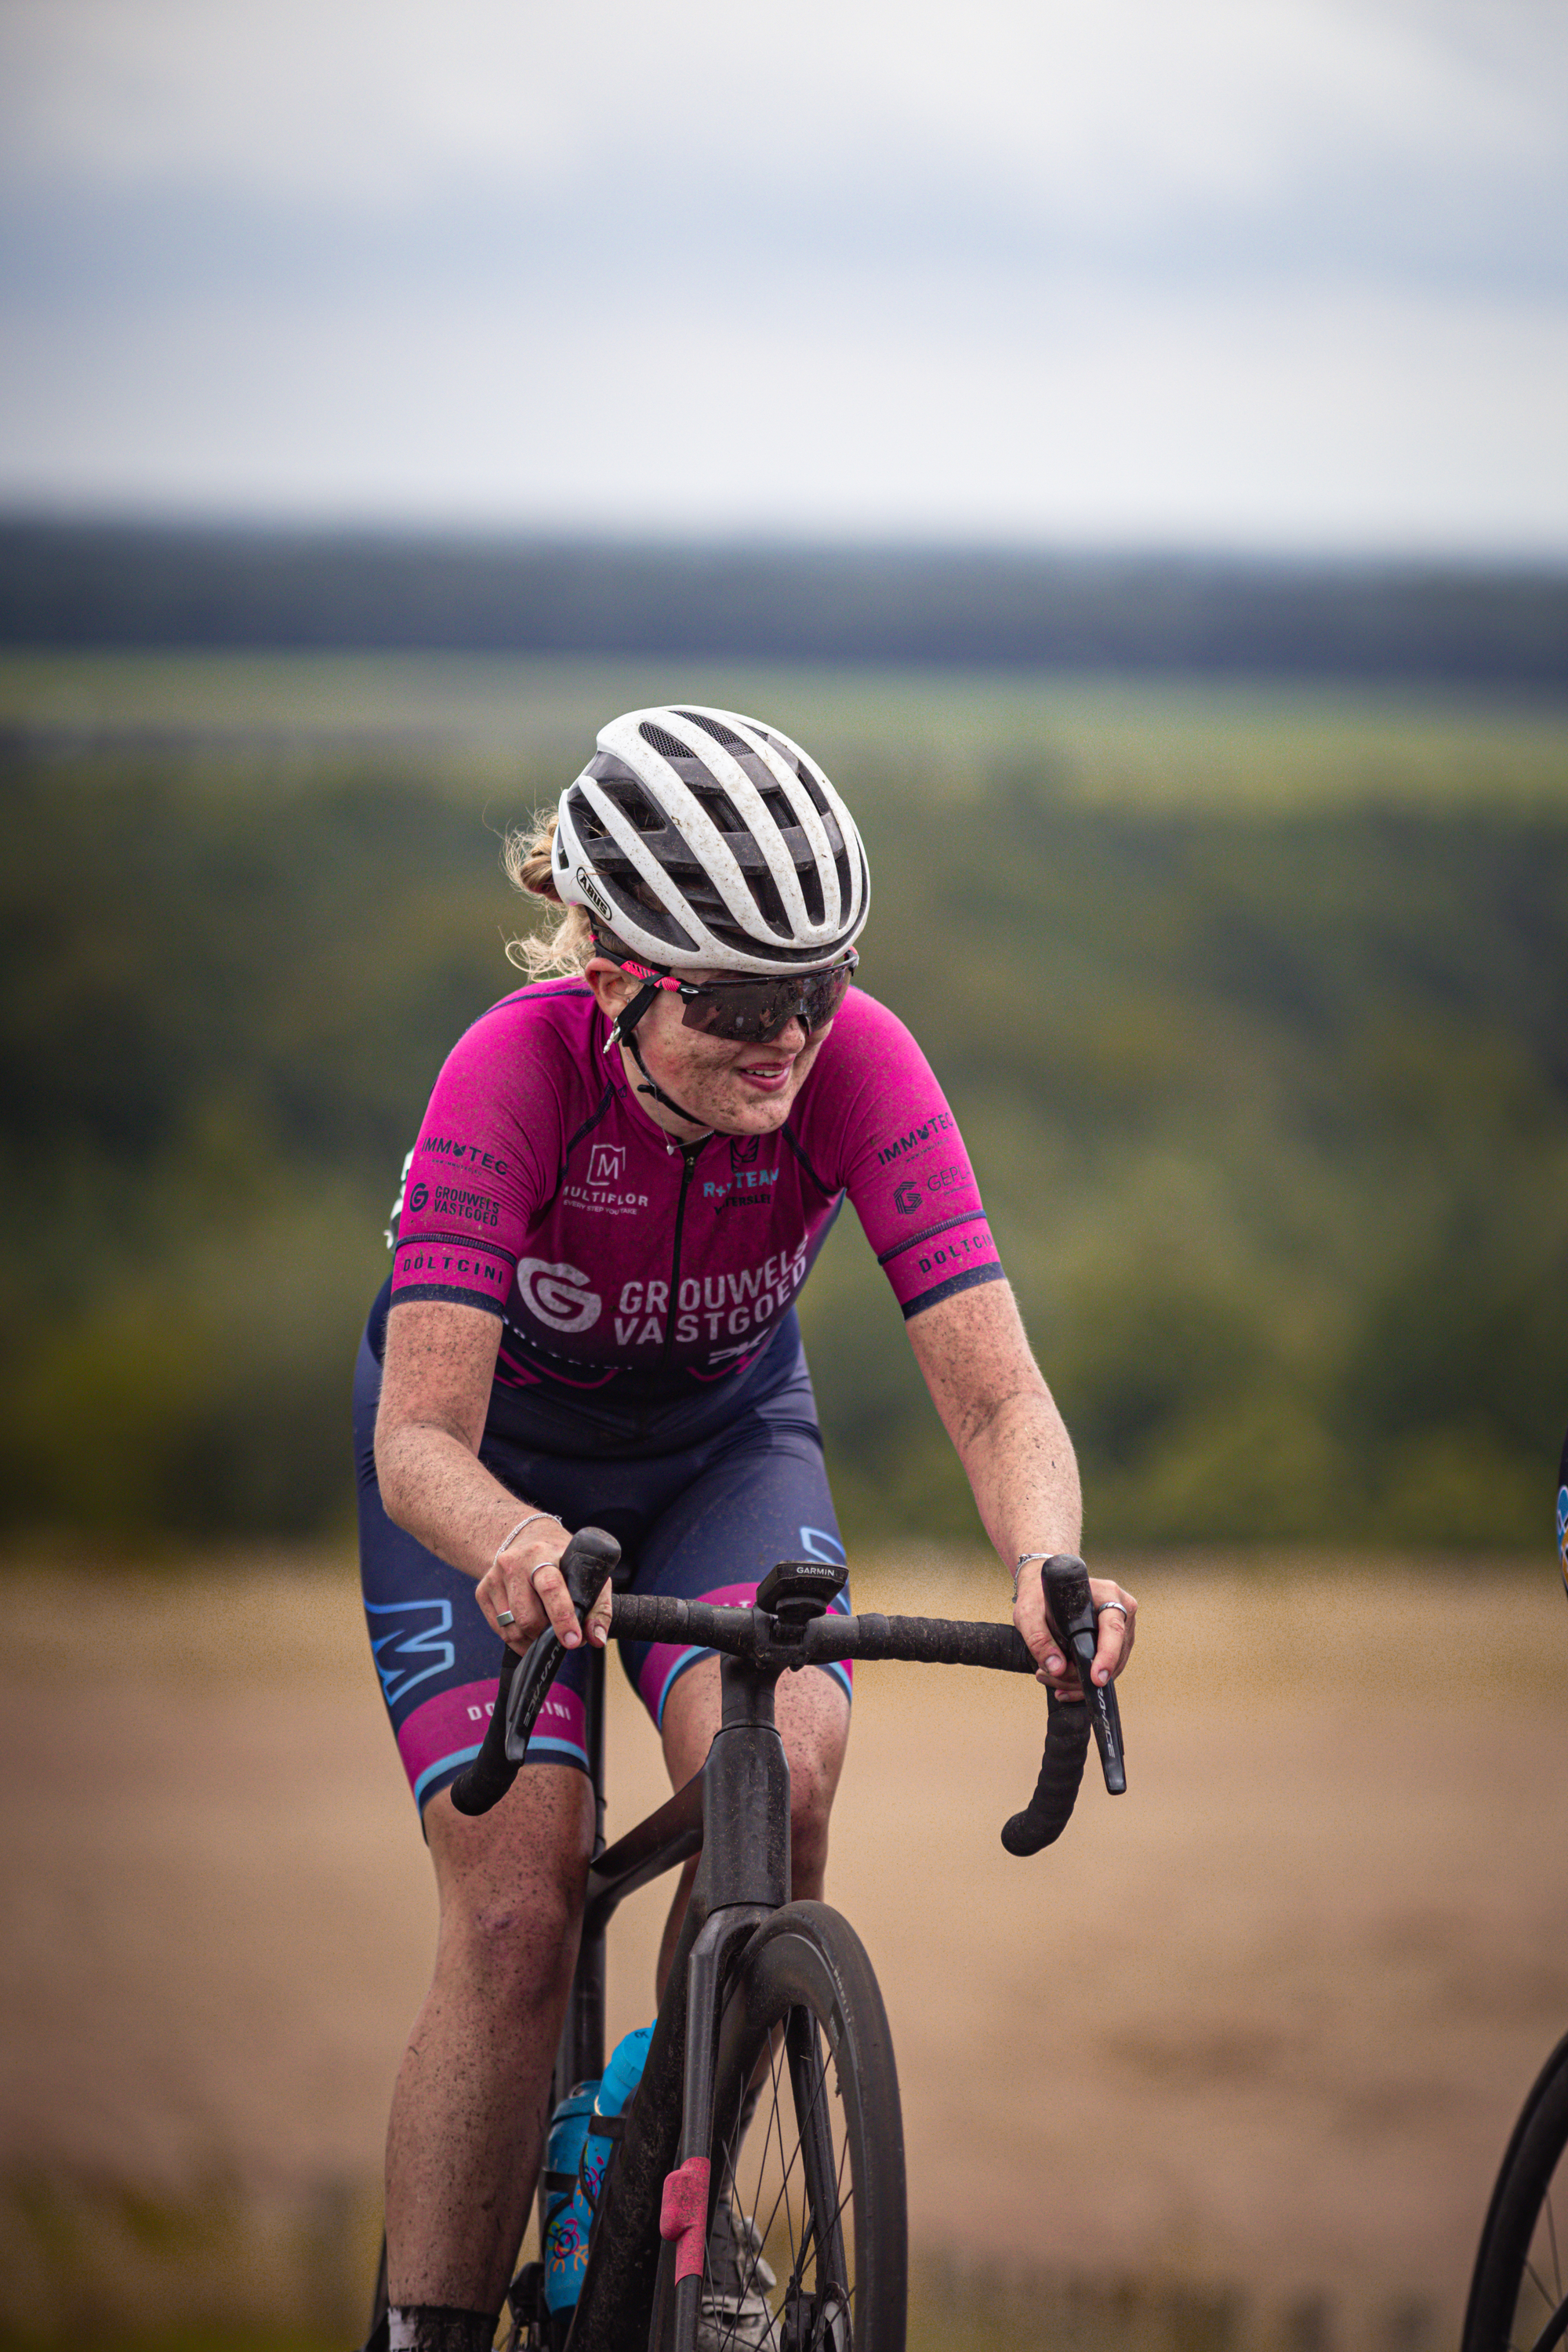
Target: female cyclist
621	1183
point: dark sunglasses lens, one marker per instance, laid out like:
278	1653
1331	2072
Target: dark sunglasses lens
743	1009
752	1011
824	993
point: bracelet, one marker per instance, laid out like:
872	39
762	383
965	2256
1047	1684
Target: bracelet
1024	1559
517	1532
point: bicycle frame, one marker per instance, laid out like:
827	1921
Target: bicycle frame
736	1811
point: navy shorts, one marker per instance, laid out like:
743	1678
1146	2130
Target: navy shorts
706	1523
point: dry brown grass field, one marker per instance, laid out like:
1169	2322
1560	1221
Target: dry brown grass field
1245	2047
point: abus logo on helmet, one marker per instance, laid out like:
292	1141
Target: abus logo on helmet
558	1294
592	892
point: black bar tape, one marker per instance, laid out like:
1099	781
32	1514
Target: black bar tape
662	1617
1050	1810
922	1640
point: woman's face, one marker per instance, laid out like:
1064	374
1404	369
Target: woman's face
739	1089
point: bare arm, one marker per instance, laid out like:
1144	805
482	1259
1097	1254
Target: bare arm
435	1392
1017	1457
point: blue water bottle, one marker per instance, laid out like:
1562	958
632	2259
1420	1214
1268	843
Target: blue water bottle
566	2215
575	2163
621	2078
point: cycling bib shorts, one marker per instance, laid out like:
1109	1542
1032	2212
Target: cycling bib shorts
706	1522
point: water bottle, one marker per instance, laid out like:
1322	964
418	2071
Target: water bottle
621	2078
567	2214
575	2163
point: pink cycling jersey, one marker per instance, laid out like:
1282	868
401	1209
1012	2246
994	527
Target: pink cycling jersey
630	1273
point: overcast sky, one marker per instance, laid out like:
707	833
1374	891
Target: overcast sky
1279	273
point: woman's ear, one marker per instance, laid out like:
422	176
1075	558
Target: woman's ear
614	988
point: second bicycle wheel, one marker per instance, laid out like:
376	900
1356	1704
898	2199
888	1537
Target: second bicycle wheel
1519	2297
808	2150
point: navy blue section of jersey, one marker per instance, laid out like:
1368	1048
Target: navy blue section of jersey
630	1419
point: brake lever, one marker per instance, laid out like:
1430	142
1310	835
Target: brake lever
1071	1605
588	1562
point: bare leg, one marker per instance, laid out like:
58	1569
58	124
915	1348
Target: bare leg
813	1717
470	2109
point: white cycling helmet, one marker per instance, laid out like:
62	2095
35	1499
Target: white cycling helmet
703	839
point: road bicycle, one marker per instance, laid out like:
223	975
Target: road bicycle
1519	2295
769	2099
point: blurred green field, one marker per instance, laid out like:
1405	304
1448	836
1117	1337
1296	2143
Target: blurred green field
1250	1002
1130	743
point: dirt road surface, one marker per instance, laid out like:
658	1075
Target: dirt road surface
1256	2030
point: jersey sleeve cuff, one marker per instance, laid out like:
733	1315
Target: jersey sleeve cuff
412	1293
951	1286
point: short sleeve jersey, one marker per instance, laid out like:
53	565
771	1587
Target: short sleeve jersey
629	1273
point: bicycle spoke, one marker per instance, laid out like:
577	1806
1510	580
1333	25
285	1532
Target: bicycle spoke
793	2183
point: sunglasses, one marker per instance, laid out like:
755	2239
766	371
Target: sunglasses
753	1011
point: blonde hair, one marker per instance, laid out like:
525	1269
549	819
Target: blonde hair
563	947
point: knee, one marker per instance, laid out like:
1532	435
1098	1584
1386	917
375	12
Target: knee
814	1779
516	1944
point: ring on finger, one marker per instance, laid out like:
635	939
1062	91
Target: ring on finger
534	1572
505	1617
1101	1606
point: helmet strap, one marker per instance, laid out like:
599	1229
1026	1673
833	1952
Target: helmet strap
650	1087
623	1031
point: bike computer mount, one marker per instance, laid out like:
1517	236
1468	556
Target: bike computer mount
796	1590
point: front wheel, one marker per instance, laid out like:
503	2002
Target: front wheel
808	2247
1519	2297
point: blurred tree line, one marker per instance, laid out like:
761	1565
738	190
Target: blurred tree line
1271	1112
124	583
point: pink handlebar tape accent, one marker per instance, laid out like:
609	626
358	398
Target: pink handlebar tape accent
683	2214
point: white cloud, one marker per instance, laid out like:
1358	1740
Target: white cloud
1244	269
1066	103
1107	419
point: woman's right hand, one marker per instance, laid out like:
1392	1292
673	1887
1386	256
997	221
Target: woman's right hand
527	1581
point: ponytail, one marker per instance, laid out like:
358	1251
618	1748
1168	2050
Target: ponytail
563	949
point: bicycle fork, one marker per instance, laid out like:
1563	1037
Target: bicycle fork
743	1876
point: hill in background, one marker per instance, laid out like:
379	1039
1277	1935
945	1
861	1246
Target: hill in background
1250	1007
127	584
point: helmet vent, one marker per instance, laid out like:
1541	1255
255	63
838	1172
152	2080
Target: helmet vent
635	804
719	807
815	793
770	906
714	727
668	744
